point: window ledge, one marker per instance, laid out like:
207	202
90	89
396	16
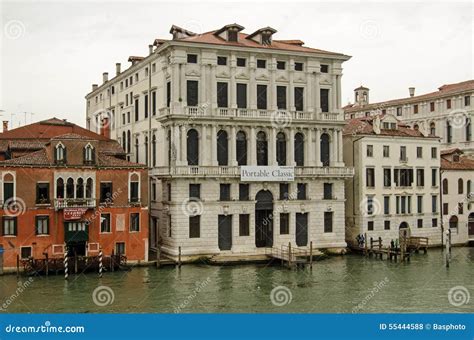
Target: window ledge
43	235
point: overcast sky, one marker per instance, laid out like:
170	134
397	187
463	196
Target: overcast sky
51	52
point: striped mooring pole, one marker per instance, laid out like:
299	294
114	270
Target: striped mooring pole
100	263
66	274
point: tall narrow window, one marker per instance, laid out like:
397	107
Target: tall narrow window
299	98
134	195
59	188
222	95
192	92
153	103
325	158
299	149
192	147
153	151
460	186
468	130
80	188
242	96
60	153
42	193
262	97
328	218
222	148
262	148
146	150
70	188
89	188
281	148
324	98
89	154
281	97
145	105
168	94
137	110
449	132
241	141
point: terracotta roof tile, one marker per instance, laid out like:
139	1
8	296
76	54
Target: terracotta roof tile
109	161
364	126
32	159
464	163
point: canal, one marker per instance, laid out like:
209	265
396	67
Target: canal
343	284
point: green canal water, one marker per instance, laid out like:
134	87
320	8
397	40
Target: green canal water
343	284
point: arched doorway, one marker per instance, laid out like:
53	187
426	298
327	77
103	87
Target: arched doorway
403	225
470	224
264	219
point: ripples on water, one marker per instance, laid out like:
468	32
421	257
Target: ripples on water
334	285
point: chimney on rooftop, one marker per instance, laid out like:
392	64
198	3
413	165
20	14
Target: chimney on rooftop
150	49
5	125
412	91
105	77
117	69
94	87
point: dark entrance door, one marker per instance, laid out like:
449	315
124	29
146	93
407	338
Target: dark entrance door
470	225
225	232
76	248
301	229
264	219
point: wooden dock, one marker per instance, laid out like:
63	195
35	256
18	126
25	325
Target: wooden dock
293	256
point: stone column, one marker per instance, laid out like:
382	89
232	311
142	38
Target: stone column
214	145
310	97
252	148
333	93
291	91
338	99
233	147
291	151
175	142
310	148
252	84
272	67
183	85
183	145
272	147
317	98
340	144
204	149
203	88
232	83
213	83
175	81
318	147
333	148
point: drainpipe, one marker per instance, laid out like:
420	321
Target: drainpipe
441	204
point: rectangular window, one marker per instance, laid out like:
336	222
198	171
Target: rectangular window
284	191
195	191
434	177
434	222
301	195
137	110
370	205
25	253
432	106
399	111
284	223
192	92
42	225
419	223
419	152
9	226
328	217
403	153
387	178
222	61
281	97
134	222
324	68
370	151
403	177
386	151
244	225
105	226
299	98
386	225
262	97
298	66
134	191
145	105
222	95
467	101
120	248
224	194
460	208
241	62
415	108
153	103
192	58
281	65
327	191
242	96
386	205
195	226
370	177
324	97
244	194
434	204
42	193
448	103
419	204
261	63
445	209
168	94
106	192
434	153
153	192
370	225
420	177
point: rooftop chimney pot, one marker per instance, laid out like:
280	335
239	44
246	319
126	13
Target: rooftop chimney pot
5	125
117	68
150	49
412	91
105	77
94	87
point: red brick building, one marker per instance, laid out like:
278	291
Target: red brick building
62	185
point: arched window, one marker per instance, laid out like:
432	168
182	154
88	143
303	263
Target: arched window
299	149
192	147
445	186
460	186
453	222
153	151
70	188
124	141
433	129
89	154
59	188
241	141
468	188
146	150
129	141
262	148
80	188
281	148
222	148
8	188
325	158
134	195
468	130
89	188
60	153
137	150
449	132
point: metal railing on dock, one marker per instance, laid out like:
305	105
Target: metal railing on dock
292	256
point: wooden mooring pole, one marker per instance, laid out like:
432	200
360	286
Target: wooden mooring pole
311	255
100	262
47	263
289	254
448	247
17	266
179	256
66	265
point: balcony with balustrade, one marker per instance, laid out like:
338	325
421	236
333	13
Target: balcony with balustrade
61	203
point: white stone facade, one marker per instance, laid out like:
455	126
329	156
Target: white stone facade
161	83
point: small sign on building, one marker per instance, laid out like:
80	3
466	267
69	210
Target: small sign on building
267	173
74	213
